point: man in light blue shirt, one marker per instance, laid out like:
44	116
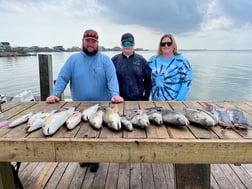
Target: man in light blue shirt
91	74
92	77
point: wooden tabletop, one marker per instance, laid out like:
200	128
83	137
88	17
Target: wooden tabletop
157	144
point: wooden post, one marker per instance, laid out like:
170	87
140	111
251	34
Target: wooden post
190	176
6	176
45	75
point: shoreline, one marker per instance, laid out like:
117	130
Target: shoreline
14	54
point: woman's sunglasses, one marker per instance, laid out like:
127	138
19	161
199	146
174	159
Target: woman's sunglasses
162	44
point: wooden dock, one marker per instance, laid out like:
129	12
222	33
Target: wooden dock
45	160
37	175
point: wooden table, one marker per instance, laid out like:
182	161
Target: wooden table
191	149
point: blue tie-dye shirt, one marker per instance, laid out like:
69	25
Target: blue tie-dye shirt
171	78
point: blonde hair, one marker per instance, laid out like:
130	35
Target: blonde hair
174	44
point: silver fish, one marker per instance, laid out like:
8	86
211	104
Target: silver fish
96	119
87	113
126	123
139	119
200	117
174	118
20	120
155	116
54	121
73	120
112	118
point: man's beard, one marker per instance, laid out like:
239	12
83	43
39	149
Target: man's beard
89	53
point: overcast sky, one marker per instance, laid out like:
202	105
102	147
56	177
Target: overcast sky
211	24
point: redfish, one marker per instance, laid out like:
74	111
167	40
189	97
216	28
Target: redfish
54	121
112	118
73	120
87	113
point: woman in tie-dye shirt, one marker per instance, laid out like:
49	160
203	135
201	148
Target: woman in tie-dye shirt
171	72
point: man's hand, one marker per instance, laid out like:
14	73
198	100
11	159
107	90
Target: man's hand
117	99
52	99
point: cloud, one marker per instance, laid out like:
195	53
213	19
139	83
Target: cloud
180	17
162	15
195	23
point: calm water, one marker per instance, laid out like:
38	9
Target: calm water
217	75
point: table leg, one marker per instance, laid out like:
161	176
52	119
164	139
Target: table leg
192	176
6	176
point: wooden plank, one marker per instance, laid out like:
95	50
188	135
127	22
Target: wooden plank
169	174
242	174
35	172
44	175
78	176
112	176
100	177
124	176
130	150
67	177
159	176
231	176
55	178
26	173
147	176
135	176
220	177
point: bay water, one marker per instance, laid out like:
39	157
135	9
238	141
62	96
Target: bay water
217	74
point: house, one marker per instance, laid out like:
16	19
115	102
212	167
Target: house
4	46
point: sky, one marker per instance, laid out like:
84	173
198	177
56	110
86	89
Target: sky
196	24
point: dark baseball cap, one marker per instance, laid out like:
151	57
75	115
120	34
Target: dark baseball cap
127	37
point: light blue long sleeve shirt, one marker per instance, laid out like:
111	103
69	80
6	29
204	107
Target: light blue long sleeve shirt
92	78
171	78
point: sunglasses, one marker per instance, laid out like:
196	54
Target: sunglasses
162	44
90	35
127	44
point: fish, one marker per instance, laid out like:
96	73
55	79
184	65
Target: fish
139	119
238	118
54	121
220	113
174	118
87	113
20	120
4	123
112	118
73	120
200	117
37	121
96	119
126	123
155	116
